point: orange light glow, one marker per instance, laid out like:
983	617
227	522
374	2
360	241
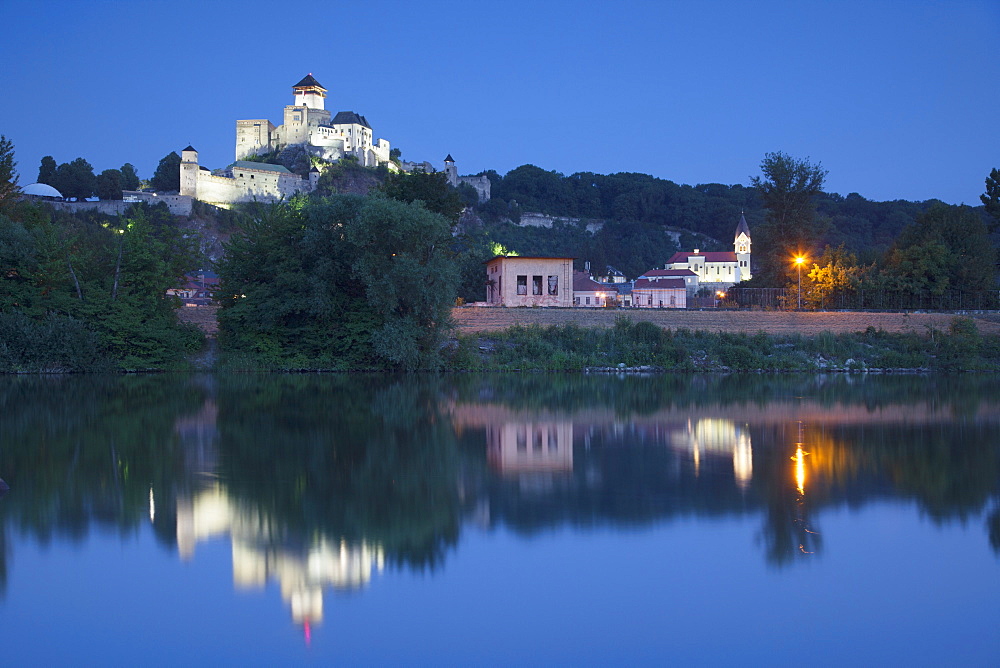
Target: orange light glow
800	468
799	259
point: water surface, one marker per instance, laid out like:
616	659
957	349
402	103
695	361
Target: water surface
501	519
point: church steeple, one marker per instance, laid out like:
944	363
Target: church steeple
741	245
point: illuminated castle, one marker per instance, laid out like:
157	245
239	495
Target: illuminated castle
308	122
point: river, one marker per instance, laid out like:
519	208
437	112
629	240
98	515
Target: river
513	519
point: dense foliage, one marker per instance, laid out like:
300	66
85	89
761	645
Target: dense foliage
648	218
342	282
644	344
87	292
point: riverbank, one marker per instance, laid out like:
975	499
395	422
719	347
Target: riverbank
647	347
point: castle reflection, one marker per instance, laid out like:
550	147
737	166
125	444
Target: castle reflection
261	552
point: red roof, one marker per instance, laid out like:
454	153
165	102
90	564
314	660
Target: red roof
714	256
668	272
582	282
663	284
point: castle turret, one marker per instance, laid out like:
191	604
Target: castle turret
309	93
314	175
742	246
451	171
189	172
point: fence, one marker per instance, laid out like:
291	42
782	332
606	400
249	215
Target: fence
876	300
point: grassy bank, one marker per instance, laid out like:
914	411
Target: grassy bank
632	345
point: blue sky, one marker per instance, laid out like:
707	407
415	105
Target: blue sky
898	100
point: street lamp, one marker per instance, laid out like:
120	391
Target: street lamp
799	260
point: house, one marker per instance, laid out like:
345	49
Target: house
197	287
529	281
689	277
589	293
659	293
718	270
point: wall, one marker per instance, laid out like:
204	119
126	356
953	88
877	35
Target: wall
503	271
179	205
253	136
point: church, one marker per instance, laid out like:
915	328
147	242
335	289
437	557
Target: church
308	122
718	270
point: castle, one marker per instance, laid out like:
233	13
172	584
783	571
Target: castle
308	122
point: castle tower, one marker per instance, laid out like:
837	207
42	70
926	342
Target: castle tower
451	171
189	172
742	246
309	93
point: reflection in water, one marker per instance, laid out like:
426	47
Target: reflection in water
319	481
717	436
527	447
261	551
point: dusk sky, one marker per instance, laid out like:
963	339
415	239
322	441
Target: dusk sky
898	100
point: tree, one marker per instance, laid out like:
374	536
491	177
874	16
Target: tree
75	179
430	189
835	276
338	282
130	178
788	188
947	247
109	184
8	173
991	198
47	170
167	177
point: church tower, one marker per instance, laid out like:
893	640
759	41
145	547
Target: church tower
742	247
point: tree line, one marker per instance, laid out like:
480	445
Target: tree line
76	179
87	292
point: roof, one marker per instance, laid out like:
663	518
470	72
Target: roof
349	118
449	158
710	256
308	82
660	273
582	282
259	166
526	257
40	190
190	148
742	227
665	284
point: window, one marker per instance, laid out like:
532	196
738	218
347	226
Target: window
536	285
553	285
588	301
522	285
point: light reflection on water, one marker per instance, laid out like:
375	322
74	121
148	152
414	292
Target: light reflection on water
320	486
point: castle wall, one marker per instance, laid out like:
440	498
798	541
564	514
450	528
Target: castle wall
253	136
179	205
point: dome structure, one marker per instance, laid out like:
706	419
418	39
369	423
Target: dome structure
41	190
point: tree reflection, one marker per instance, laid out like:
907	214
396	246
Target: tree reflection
383	468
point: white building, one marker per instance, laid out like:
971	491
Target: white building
718	270
308	122
659	293
242	181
